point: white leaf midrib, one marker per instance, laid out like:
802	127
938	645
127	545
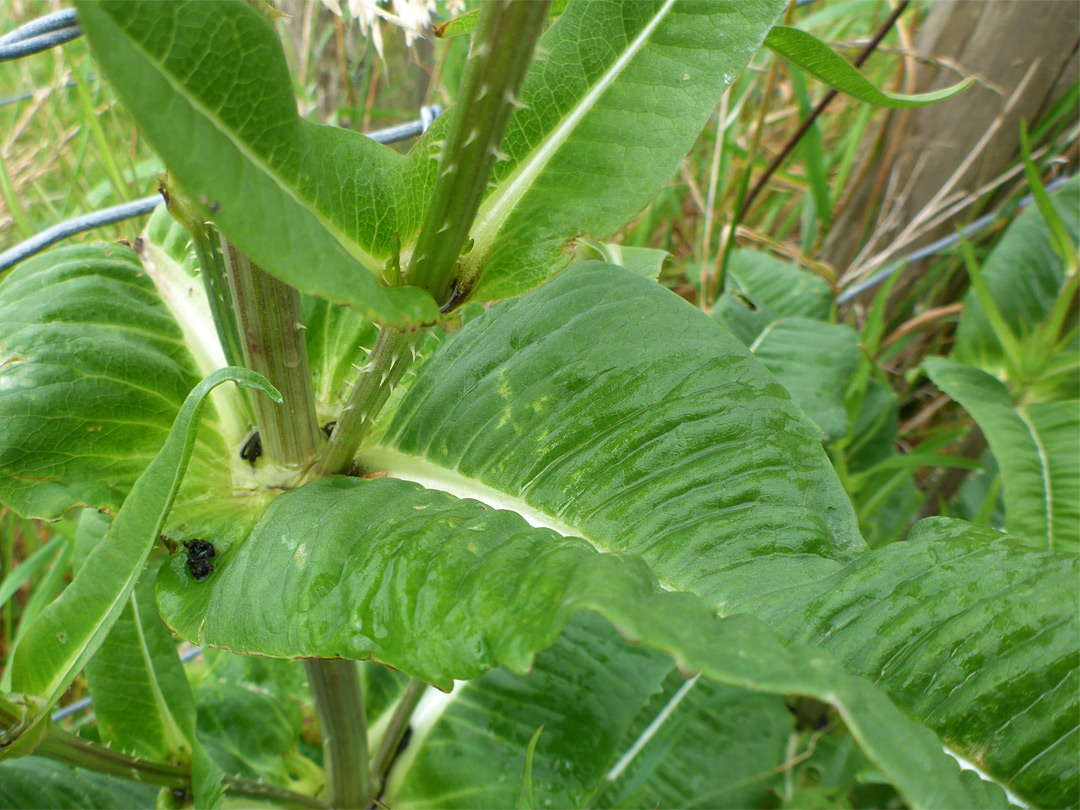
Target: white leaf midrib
396	464
1044	468
175	740
501	203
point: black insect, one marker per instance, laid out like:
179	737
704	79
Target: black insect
328	428
199	554
252	448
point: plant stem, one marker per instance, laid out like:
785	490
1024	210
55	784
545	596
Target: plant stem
793	141
390	357
502	50
716	288
335	685
66	747
399	721
268	313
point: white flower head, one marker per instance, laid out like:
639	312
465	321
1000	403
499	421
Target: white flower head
411	16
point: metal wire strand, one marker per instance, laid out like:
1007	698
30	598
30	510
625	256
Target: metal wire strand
40	35
146	205
42	25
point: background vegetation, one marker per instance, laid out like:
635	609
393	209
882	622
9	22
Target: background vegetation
901	442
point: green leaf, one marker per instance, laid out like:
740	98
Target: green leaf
758	289
820	61
142	700
1064	243
65	636
94	370
94	367
644	261
684	450
210	89
689	742
1035	447
700	745
584	691
445	589
36	783
249	723
815	362
611	108
969	632
1024	276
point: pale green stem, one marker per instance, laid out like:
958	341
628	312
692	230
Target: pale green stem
271	328
389	359
395	731
339	702
66	747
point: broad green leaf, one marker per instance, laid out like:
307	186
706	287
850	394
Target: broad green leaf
36	783
94	368
814	361
291	194
247	731
468	748
1024	275
65	636
883	500
142	700
684	450
700	745
969	632
759	288
612	106
821	62
445	589
689	740
249	717
1035	447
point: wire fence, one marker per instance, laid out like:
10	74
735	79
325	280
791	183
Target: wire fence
40	35
118	213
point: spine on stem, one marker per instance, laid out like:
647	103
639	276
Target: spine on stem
502	50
